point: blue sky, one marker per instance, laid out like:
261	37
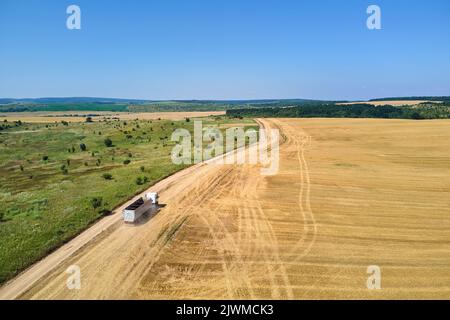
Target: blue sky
224	49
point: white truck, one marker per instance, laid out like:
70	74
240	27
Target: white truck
134	211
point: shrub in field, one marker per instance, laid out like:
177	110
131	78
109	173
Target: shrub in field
108	142
107	176
64	169
128	161
45	158
141	180
96	203
142	168
83	147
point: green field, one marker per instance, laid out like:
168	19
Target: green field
51	188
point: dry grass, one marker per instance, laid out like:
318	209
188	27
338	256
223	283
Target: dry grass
77	116
349	194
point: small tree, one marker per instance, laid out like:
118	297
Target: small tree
142	168
141	180
45	158
96	202
107	176
128	161
83	147
64	169
108	142
89	119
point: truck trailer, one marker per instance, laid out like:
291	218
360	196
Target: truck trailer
134	211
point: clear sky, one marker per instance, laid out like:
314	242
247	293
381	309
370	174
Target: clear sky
224	49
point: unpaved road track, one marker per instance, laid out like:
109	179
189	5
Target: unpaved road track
349	194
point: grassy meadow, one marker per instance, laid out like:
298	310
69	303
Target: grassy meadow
56	179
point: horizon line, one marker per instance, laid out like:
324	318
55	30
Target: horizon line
220	100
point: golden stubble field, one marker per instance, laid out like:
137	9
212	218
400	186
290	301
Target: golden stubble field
349	194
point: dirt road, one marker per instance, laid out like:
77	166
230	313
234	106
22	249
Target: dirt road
349	194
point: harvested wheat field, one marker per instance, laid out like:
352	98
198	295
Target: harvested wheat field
349	194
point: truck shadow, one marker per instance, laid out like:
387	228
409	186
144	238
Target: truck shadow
148	216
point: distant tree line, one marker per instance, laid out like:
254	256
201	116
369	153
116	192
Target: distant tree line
331	110
423	98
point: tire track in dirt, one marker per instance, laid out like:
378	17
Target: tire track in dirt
237	263
301	141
